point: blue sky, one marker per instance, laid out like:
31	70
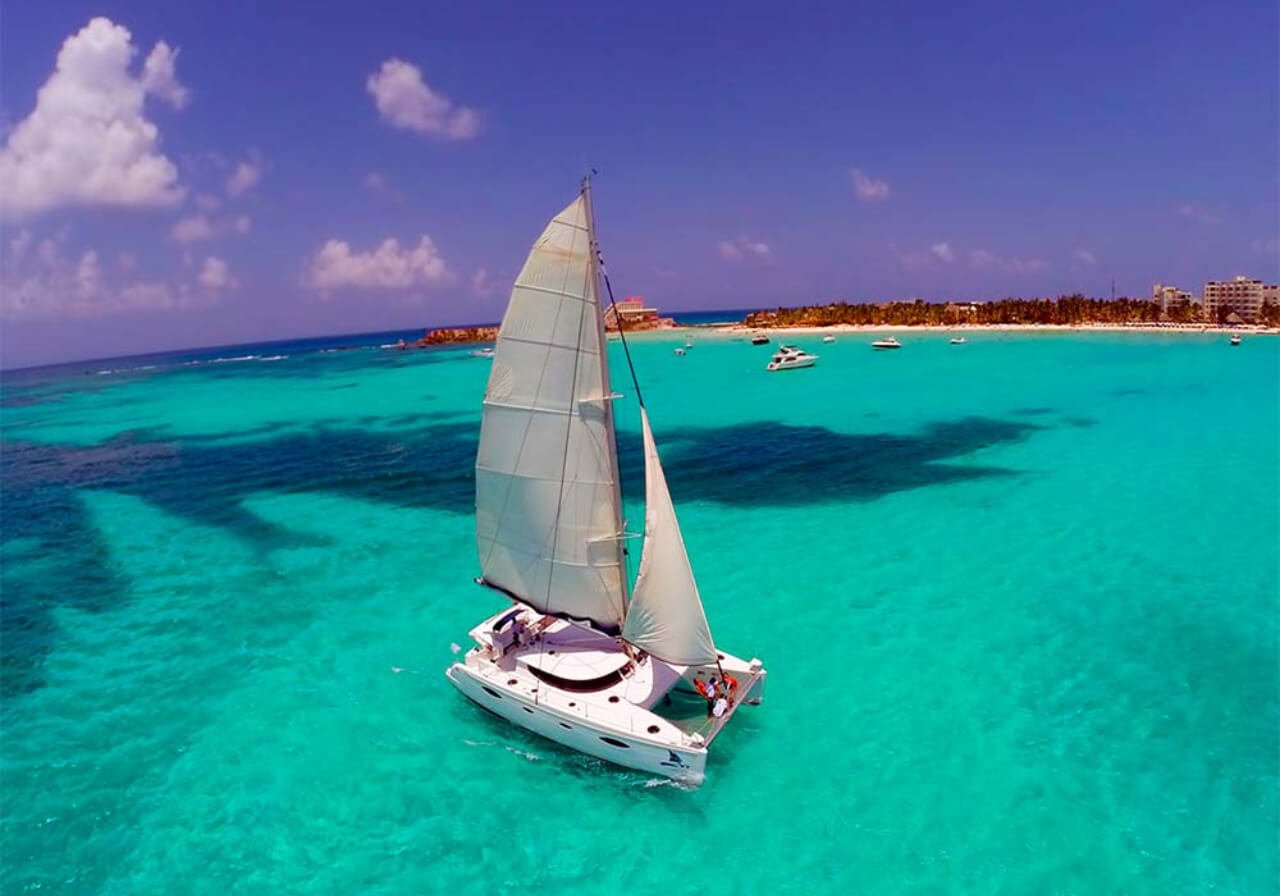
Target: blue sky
240	181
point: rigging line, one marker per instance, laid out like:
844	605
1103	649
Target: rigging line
617	319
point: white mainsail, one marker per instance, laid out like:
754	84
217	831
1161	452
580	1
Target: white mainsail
666	616
548	514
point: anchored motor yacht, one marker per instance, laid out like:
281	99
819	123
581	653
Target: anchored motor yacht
789	357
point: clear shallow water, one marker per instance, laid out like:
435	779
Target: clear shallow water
1018	600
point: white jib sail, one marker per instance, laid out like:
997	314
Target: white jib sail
548	520
666	616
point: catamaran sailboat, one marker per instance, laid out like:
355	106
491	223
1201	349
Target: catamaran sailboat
629	675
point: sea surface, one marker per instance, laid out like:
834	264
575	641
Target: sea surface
1018	600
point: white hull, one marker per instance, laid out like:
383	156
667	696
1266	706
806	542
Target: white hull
791	365
615	723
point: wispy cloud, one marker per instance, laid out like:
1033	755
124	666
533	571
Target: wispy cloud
743	247
376	182
200	227
1265	246
481	284
1085	257
43	281
943	252
984	259
245	176
1198	213
192	229
216	275
868	188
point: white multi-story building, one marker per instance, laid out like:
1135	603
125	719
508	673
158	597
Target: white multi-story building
1170	297
1243	296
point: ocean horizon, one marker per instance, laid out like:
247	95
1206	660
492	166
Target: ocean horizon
1017	599
362	339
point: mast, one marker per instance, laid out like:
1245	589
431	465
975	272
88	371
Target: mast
597	266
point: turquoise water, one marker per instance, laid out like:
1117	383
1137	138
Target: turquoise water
1018	601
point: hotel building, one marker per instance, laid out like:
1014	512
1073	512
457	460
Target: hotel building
1243	296
1170	297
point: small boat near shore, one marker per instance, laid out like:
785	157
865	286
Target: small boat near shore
759	339
828	338
886	343
482	353
957	340
1235	338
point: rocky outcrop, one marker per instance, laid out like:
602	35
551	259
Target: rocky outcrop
451	335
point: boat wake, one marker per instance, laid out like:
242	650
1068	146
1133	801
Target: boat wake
523	754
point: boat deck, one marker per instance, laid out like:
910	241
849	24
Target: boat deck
687	709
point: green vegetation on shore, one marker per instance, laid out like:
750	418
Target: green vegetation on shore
1065	310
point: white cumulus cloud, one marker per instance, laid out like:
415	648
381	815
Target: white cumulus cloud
869	189
88	140
943	252
390	266
743	247
405	101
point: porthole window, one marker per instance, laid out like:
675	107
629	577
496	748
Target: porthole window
613	699
513	681
654	729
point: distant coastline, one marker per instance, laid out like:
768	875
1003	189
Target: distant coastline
1068	314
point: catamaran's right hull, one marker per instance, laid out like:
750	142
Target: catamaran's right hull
610	744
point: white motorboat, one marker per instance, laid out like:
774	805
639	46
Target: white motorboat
957	340
886	343
680	352
759	339
1235	338
627	674
789	357
482	353
828	339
